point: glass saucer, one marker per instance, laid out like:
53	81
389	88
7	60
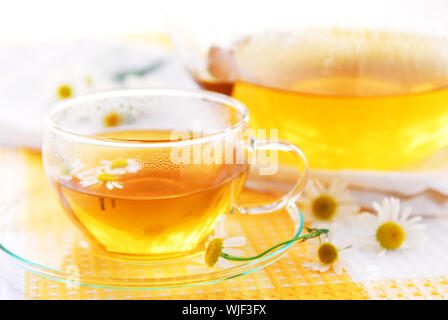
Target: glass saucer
36	234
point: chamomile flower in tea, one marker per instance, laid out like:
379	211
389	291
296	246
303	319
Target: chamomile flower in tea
116	116
99	176
120	166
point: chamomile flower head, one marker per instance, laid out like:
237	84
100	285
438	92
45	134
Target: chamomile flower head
120	166
64	90
99	176
321	204
392	229
219	243
216	246
326	252
75	82
220	250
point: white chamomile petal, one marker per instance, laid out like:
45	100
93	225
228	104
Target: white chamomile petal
311	190
324	268
346	246
380	212
405	215
337	267
99	176
117	185
395	210
320	187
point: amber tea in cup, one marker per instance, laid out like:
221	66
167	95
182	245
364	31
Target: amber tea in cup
148	173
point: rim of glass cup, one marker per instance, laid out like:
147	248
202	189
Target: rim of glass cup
120	142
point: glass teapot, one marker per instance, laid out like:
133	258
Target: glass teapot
360	86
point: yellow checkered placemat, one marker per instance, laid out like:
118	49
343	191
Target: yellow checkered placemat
284	279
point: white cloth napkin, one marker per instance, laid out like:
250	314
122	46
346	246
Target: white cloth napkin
424	186
31	74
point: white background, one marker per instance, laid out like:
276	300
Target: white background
44	20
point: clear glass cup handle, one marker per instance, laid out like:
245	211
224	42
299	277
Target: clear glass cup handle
294	193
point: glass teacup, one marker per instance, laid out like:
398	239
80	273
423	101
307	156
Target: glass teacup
148	173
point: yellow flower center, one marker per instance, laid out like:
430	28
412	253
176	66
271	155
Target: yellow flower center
113	119
119	163
64	91
106	177
324	207
327	253
390	235
213	252
88	80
